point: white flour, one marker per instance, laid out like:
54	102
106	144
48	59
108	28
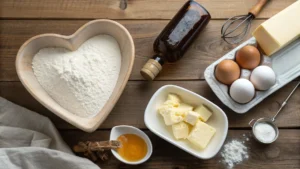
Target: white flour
81	81
233	153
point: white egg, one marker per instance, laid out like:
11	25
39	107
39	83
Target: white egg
263	77
242	91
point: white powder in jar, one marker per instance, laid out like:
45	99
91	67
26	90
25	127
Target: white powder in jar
264	132
233	153
80	81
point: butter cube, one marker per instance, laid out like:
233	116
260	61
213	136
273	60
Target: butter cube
184	108
171	103
201	134
203	112
164	109
174	98
191	117
180	130
172	118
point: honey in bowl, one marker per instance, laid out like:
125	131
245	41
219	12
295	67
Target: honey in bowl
133	148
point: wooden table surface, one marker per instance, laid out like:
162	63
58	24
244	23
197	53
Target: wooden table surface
145	19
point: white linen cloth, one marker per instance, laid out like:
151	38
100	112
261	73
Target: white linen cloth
30	141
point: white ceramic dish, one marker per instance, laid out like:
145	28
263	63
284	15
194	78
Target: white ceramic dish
155	122
124	129
285	63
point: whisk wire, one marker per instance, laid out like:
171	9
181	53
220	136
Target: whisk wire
237	25
244	31
230	21
237	37
231	32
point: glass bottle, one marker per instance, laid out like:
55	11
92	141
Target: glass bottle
176	37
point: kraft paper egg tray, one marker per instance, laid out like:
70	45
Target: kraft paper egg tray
285	63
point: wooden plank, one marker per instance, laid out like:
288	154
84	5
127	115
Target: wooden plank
131	106
207	48
137	9
284	153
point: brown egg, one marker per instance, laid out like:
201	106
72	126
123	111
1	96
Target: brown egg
227	71
248	57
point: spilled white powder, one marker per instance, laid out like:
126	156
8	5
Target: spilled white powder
264	132
233	153
80	81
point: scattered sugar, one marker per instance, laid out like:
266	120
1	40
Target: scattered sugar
233	153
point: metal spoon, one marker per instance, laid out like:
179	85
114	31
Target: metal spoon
271	121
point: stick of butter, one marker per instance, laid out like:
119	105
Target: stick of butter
280	30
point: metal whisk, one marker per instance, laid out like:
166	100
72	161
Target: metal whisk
236	28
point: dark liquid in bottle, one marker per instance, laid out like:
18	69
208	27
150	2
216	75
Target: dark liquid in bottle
177	36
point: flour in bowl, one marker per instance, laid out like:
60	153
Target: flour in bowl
80	81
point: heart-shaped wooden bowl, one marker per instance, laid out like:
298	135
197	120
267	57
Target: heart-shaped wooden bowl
72	42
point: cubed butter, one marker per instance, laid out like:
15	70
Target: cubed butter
184	108
172	103
279	30
165	108
171	118
174	98
180	130
203	112
191	117
201	134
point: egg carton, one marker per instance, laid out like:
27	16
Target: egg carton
285	63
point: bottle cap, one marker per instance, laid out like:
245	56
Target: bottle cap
151	69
